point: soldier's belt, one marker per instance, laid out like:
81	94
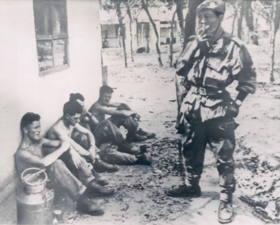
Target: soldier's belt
205	91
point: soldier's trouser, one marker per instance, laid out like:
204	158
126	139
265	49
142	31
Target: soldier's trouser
107	132
127	122
113	156
83	172
63	179
221	138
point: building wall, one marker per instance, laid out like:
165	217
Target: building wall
23	90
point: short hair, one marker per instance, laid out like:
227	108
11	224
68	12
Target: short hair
72	107
106	89
28	118
74	97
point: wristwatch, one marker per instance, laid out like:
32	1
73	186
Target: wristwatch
238	102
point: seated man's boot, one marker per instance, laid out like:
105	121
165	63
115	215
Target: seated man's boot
225	213
101	181
144	159
145	133
133	150
87	206
96	190
135	137
184	191
101	166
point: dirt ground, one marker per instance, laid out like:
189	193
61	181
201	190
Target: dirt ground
140	198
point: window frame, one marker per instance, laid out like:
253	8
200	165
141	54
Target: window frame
52	37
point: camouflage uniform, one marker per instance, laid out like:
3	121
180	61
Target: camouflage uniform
208	71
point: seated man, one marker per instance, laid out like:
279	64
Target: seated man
62	130
86	120
29	154
121	115
107	132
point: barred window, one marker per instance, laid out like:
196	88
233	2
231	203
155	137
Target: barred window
51	35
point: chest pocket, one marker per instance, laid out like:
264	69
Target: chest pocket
217	72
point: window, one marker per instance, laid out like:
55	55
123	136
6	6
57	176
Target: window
51	35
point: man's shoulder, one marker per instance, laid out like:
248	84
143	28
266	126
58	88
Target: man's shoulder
31	145
56	128
94	106
236	40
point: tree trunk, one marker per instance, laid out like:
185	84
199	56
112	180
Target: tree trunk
240	19
171	41
130	28
190	20
274	28
248	13
145	7
249	18
234	20
122	29
180	15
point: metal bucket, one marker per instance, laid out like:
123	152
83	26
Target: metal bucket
34	180
35	202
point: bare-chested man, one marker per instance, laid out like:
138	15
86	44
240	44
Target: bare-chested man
107	132
121	115
75	159
30	154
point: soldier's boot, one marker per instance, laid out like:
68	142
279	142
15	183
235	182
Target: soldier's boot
96	190
225	212
145	133
144	159
87	206
101	167
193	190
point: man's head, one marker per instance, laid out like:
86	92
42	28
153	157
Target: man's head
72	111
210	14
105	94
78	98
30	126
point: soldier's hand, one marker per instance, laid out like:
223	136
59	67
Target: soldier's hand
76	158
232	110
201	36
136	116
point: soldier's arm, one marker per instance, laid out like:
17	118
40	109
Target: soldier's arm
64	137
245	74
45	161
115	112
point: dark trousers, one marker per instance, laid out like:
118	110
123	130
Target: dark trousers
107	132
219	134
66	181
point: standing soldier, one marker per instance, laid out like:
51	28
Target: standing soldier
211	61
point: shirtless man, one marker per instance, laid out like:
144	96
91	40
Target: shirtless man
75	159
107	132
30	154
83	139
121	115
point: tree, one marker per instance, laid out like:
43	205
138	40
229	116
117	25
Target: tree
240	18
171	40
275	17
145	7
129	4
122	29
190	20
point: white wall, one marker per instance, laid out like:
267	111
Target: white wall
23	90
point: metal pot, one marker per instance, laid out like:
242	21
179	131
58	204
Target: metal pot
34	180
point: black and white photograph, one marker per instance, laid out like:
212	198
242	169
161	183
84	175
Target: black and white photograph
139	112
